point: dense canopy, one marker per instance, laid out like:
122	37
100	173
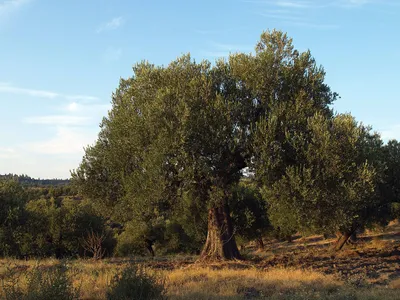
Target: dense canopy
179	140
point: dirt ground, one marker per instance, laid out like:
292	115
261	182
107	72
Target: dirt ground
373	259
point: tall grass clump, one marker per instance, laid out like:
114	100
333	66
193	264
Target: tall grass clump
41	282
134	282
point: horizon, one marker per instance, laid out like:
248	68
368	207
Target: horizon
62	61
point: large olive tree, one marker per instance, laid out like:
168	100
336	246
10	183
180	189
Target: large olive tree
188	130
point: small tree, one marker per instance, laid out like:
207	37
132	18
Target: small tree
93	244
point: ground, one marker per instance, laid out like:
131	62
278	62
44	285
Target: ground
373	259
303	269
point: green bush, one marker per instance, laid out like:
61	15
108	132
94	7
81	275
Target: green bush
61	229
135	283
44	283
132	240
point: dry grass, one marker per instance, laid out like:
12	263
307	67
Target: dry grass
304	269
205	283
219	281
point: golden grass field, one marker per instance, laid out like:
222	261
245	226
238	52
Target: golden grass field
303	269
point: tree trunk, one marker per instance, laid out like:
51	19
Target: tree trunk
220	243
260	243
353	238
343	239
149	246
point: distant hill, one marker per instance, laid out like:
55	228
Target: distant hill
29	181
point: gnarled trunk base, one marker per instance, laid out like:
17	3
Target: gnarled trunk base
220	243
260	243
343	239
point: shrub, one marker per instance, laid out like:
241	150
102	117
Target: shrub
135	283
42	282
11	289
61	229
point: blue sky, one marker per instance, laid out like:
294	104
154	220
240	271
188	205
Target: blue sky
61	60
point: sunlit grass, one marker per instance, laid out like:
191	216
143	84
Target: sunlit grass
218	281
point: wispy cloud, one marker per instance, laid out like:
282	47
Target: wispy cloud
292	18
10	89
6	153
111	25
112	54
60	131
67	140
217	50
391	132
316	4
9	6
58	120
294	4
80	98
307	13
297	13
85	108
73	130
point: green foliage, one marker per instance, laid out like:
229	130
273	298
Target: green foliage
134	282
391	156
186	230
59	229
45	283
334	186
249	212
136	235
12	215
172	131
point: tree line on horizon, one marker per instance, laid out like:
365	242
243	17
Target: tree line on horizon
38	182
198	157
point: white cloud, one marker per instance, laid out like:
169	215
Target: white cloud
10	89
72	107
52	158
224	50
295	4
68	140
86	109
7	153
81	98
60	134
58	120
392	132
61	148
301	13
111	25
7	88
40	166
318	4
